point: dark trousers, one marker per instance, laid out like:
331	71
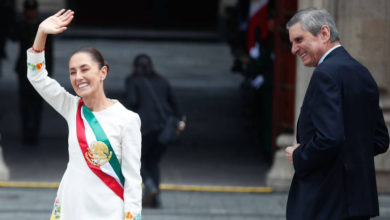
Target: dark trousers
152	152
30	105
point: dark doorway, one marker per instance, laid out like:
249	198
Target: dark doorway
271	104
165	14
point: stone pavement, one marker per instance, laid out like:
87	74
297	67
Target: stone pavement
35	204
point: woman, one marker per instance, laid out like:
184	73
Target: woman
150	95
102	179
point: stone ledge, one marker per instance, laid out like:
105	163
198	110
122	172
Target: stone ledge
280	175
382	181
4	171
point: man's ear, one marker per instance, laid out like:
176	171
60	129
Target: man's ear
325	33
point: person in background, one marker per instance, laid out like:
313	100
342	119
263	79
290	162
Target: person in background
7	16
146	90
30	102
340	128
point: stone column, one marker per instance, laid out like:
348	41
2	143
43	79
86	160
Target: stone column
4	171
280	175
365	29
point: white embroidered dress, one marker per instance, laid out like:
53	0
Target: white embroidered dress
82	195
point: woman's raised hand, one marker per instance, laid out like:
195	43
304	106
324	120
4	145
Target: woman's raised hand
57	23
54	24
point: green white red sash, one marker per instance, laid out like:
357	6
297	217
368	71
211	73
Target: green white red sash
99	155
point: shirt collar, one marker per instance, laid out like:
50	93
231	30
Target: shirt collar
326	54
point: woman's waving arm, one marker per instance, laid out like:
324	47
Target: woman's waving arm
47	87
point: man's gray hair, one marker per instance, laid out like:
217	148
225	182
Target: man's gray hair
312	19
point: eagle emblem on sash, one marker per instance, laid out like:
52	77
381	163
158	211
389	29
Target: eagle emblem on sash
98	154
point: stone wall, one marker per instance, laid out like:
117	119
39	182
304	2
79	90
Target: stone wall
365	32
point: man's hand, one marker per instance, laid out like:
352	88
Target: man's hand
289	153
180	127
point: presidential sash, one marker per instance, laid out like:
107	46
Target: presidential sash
99	155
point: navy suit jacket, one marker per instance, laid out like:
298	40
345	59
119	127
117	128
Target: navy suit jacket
340	130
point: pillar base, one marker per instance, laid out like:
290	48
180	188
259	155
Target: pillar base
4	171
280	175
382	181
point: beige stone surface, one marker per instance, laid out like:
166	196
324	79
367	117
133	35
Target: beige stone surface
382	162
375	41
280	175
365	29
382	181
303	76
4	171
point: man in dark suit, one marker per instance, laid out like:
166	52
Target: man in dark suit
340	128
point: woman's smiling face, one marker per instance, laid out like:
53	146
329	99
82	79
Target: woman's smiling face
86	76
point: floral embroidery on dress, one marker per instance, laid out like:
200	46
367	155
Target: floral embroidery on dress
56	214
35	67
130	216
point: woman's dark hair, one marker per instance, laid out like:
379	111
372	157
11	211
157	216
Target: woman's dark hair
95	54
143	66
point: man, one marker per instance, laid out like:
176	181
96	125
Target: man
340	128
